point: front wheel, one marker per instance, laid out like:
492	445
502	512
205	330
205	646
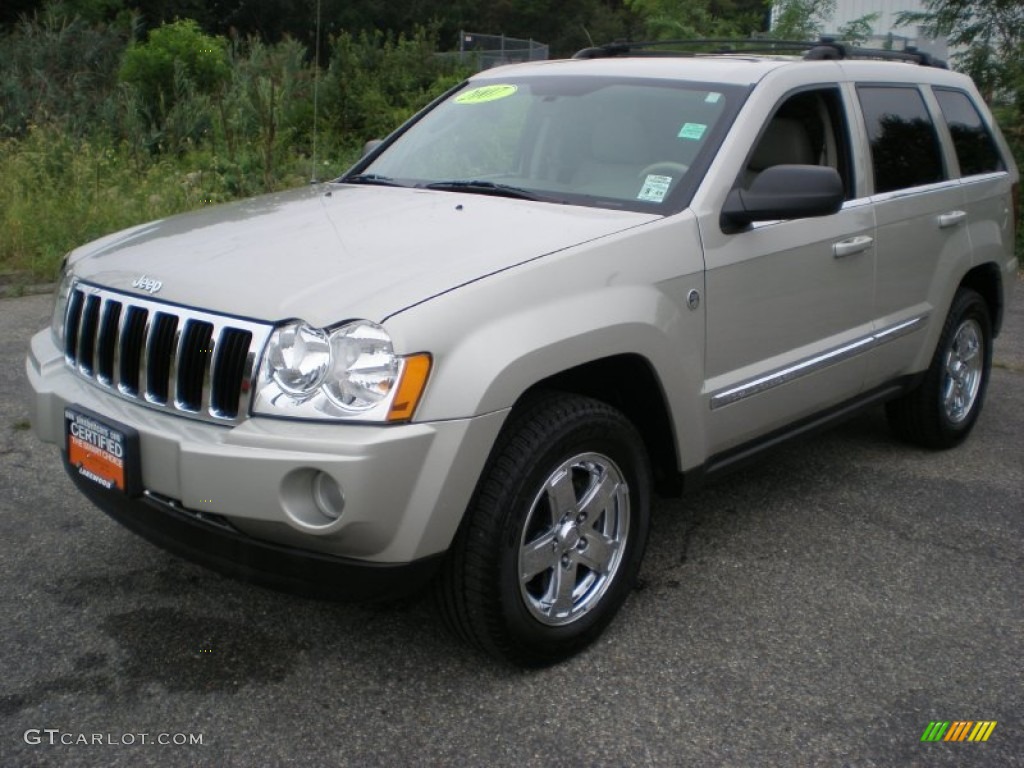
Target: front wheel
553	539
941	411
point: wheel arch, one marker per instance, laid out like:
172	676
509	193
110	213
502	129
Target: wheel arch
987	281
628	383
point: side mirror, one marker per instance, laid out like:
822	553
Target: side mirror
784	192
371	145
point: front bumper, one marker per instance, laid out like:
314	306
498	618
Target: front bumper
405	487
218	546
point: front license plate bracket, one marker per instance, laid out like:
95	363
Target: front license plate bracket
102	450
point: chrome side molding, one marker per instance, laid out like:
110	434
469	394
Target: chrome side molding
790	373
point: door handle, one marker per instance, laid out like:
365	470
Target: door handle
951	218
851	246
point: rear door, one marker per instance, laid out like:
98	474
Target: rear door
922	243
985	178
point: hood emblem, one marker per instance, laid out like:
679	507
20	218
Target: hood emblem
147	284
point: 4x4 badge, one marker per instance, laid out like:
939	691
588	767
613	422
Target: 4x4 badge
147	284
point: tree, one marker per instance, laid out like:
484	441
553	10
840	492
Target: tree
992	32
801	19
859	30
565	25
667	19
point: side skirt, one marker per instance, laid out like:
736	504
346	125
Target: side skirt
727	461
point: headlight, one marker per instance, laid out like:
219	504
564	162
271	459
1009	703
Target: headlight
298	357
350	372
60	305
364	365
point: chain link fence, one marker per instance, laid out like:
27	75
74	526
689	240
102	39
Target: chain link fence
481	51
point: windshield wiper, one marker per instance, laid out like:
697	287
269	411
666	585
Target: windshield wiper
483	188
370	178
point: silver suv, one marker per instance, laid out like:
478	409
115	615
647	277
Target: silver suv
559	288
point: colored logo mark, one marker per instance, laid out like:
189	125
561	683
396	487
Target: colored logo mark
958	730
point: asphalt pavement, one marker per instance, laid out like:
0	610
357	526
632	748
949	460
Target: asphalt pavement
819	609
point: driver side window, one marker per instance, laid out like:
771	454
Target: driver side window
808	128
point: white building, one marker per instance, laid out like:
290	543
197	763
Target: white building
885	25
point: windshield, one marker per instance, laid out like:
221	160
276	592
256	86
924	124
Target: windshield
620	143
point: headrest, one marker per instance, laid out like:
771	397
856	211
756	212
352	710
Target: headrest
785	142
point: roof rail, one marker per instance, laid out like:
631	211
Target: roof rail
823	48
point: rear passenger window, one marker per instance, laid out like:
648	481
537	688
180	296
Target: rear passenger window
905	149
975	148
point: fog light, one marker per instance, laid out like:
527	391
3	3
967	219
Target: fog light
327	496
312	501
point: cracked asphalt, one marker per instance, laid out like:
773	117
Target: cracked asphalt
818	609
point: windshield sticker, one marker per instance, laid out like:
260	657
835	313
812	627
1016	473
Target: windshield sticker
692	131
486	93
712	98
655	188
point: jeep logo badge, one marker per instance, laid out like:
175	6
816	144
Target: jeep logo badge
147	284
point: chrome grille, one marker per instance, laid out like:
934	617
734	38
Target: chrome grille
196	364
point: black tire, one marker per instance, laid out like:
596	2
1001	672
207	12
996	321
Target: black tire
553	444
940	412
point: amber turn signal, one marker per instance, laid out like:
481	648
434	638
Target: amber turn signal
412	382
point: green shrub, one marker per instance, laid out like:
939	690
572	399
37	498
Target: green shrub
376	81
190	123
61	191
268	104
178	58
54	69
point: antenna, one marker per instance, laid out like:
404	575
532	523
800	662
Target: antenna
316	92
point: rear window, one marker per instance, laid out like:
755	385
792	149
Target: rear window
975	148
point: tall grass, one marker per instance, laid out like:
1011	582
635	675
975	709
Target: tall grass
60	191
110	160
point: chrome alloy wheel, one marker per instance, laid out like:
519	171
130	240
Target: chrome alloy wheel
964	365
573	539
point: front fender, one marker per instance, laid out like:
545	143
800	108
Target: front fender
627	294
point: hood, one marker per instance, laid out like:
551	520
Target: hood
336	252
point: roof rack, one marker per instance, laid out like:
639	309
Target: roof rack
824	48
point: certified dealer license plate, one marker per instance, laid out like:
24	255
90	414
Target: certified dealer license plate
102	451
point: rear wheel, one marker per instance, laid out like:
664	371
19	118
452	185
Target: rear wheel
553	539
941	411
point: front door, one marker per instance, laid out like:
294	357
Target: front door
789	303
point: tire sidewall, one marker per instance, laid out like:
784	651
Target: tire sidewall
617	440
967	306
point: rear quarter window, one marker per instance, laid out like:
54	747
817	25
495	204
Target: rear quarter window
975	148
905	149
